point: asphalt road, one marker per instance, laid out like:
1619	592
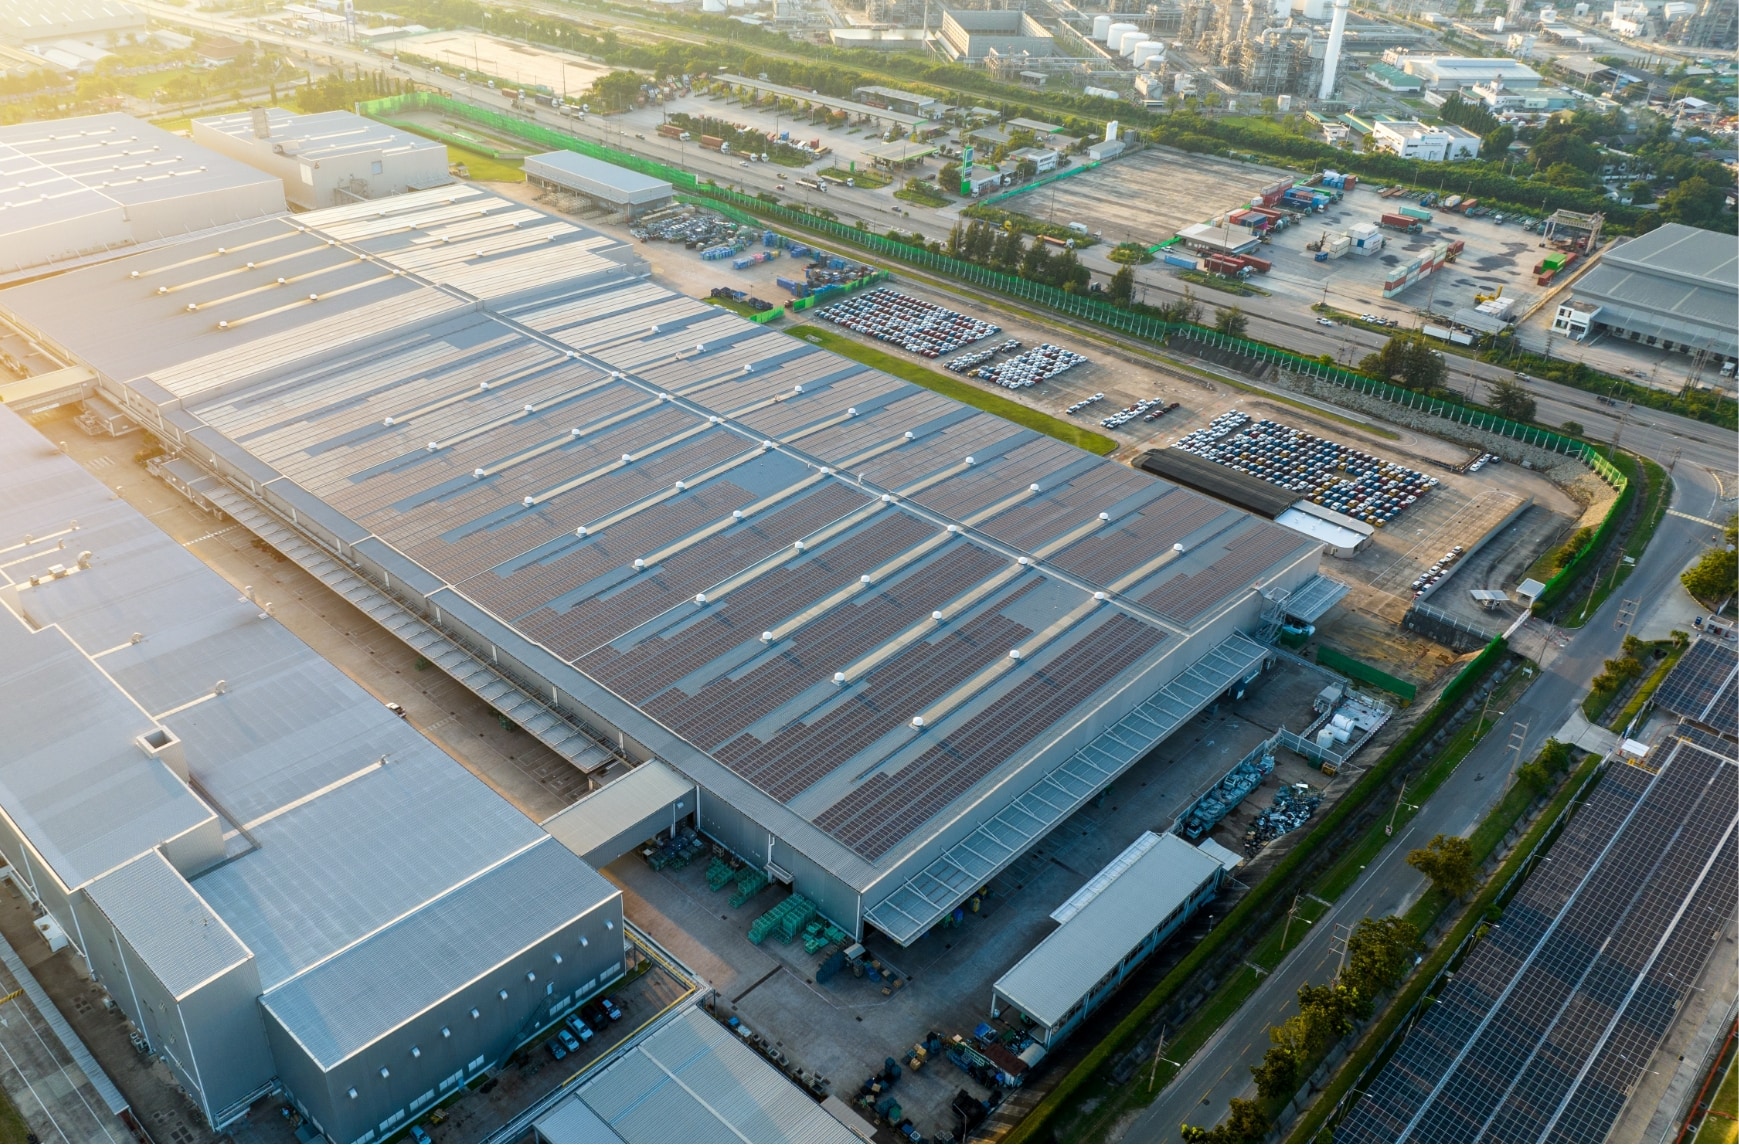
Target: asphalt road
1220	1070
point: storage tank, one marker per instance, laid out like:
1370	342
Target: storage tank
1126	45
1101	25
1148	50
1115	33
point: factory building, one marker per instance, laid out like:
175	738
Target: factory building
327	158
25	23
605	184
1677	288
1430	143
975	35
282	885
892	641
85	187
1452	73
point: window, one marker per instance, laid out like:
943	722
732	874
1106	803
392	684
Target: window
375	168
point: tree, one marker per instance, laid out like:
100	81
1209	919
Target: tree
1035	264
1511	399
1714	577
1641	191
1008	250
1553	759
1573	428
1566	175
1379	951
1231	321
1448	862
617	90
1188	308
948	178
1409	359
1122	289
1697	202
1244	1121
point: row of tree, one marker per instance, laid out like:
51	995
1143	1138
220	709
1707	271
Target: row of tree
1379	953
1714	579
1005	249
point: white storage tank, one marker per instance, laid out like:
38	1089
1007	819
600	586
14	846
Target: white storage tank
1101	25
1115	33
1148	50
1126	46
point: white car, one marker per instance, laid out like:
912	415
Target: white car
1325	321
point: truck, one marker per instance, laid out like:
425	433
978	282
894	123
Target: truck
1452	202
712	143
672	131
1468	205
1259	265
1227	266
1401	223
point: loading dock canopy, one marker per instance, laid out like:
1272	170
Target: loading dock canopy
1217	480
616	818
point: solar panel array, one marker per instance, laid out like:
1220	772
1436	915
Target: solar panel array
1704	686
712	520
1548	1025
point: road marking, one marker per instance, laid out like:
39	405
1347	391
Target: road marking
1689	517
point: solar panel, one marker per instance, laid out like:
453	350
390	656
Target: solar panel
1701	686
1546	1028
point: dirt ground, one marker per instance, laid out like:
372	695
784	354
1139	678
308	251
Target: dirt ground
1148	197
466	51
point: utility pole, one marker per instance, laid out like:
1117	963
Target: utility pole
1153	1074
1291	914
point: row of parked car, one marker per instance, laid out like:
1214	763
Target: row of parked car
920	327
581	1026
1437	571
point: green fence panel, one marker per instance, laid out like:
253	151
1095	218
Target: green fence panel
1055	176
768	315
1359	670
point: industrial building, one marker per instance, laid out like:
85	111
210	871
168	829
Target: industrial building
604	184
87	186
976	35
282	884
1452	73
891	640
1676	287
693	1080
1107	929
1430	143
328	158
34	22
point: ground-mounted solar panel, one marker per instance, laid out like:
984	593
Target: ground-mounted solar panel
1704	686
1545	1030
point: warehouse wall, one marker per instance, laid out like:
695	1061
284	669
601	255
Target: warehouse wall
383	1105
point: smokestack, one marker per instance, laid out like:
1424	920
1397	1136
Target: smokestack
1331	58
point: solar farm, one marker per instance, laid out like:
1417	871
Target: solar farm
1549	1024
1325	472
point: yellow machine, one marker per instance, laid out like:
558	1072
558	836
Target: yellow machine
1478	298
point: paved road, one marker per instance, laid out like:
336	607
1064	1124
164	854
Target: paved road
1220	1071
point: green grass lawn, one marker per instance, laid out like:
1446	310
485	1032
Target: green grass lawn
13	1127
1721	1127
487	169
960	391
733	305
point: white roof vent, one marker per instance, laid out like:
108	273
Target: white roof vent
1014	653
937	616
736	514
838	678
528	502
767	637
918	722
971	460
798	545
1104	516
1101	596
639	564
626	458
1178	548
1034	488
910	436
582	531
850	411
479	474
386	421
432	446
700	598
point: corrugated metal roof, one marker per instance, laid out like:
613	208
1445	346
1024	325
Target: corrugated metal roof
349	1001
596	177
694	1081
573	1123
596	818
319	135
1071	960
182	940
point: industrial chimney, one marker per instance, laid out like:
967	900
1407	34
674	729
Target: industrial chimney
1331	58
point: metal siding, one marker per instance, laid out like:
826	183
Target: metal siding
740	834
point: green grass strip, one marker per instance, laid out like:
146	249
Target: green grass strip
1721	1126
963	392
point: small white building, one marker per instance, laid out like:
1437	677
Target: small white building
1575	318
606	184
1043	159
1105	149
1463	144
329	158
1411	139
976	180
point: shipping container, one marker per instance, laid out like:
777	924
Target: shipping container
712	142
1415	213
1401	223
1182	258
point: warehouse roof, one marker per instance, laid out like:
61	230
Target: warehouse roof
352	999
59	169
182	941
626	488
598	178
1120	912
318	135
318	802
694	1081
1680	283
